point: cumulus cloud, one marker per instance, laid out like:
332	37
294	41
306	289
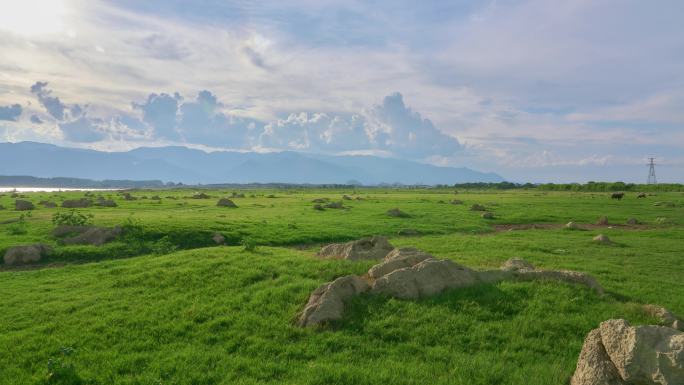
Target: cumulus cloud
160	111
390	128
84	129
10	113
53	104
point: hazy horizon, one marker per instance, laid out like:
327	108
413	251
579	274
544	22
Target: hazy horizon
531	90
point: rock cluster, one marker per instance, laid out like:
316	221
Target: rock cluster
409	273
22	205
366	248
619	354
86	235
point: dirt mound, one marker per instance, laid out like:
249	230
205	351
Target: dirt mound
617	353
128	197
632	221
77	203
346	198
318	207
665	316
22	205
201	196
602	221
86	235
19	255
224	202
218	239
487	215
366	248
320	200
398	259
105	202
572	226
396	213
456	202
517	264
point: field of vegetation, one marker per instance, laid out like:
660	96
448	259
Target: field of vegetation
164	304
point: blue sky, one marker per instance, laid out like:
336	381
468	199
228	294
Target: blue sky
534	90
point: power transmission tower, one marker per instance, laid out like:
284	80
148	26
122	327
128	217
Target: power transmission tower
651	172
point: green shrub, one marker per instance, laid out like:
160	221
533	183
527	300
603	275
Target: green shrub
71	218
164	246
249	244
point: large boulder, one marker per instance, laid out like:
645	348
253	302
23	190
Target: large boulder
86	235
398	259
644	355
19	255
424	279
366	248
22	205
594	366
77	203
327	302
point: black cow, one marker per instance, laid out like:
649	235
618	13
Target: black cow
617	196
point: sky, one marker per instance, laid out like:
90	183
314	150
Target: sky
534	90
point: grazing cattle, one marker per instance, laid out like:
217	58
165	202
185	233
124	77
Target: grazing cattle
641	195
617	196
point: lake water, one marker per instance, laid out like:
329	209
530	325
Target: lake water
52	189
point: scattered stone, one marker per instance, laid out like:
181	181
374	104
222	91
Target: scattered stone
572	226
602	221
487	215
86	235
517	264
327	302
477	207
77	203
456	202
201	196
408	232
318	207
225	202
620	354
602	239
22	205
218	239
334	205
396	213
632	221
19	255
663	221
376	247
665	316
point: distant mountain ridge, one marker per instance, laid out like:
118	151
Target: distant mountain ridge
189	166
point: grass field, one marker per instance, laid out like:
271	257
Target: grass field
137	313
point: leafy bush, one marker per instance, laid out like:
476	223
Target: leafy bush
249	244
71	218
164	246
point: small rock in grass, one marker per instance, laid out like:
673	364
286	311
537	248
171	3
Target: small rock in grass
487	215
477	207
318	207
603	239
396	213
218	239
19	255
572	226
632	221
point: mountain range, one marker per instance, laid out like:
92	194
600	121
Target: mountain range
191	166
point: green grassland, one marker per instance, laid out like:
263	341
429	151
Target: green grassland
136	313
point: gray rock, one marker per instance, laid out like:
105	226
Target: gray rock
19	255
22	205
86	235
